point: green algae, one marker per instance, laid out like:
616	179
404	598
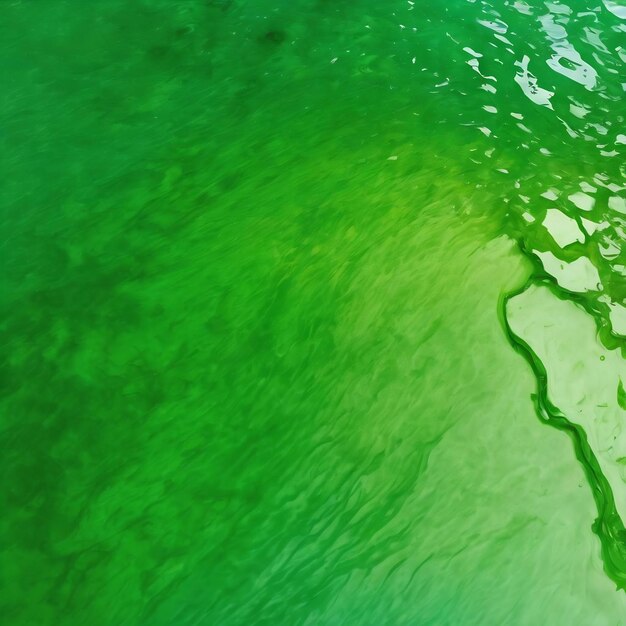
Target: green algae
254	258
609	525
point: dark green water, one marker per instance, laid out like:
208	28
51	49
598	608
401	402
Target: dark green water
291	294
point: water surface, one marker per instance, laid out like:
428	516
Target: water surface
291	294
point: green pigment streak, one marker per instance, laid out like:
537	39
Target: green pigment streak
608	526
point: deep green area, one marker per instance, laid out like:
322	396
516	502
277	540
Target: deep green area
258	265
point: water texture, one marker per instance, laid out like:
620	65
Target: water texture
289	294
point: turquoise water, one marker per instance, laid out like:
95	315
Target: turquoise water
290	296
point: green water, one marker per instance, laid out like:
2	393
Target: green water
291	296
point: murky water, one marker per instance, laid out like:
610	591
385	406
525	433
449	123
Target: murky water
291	294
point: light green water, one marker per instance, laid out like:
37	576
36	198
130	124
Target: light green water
291	294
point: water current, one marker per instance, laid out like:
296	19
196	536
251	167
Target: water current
291	294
